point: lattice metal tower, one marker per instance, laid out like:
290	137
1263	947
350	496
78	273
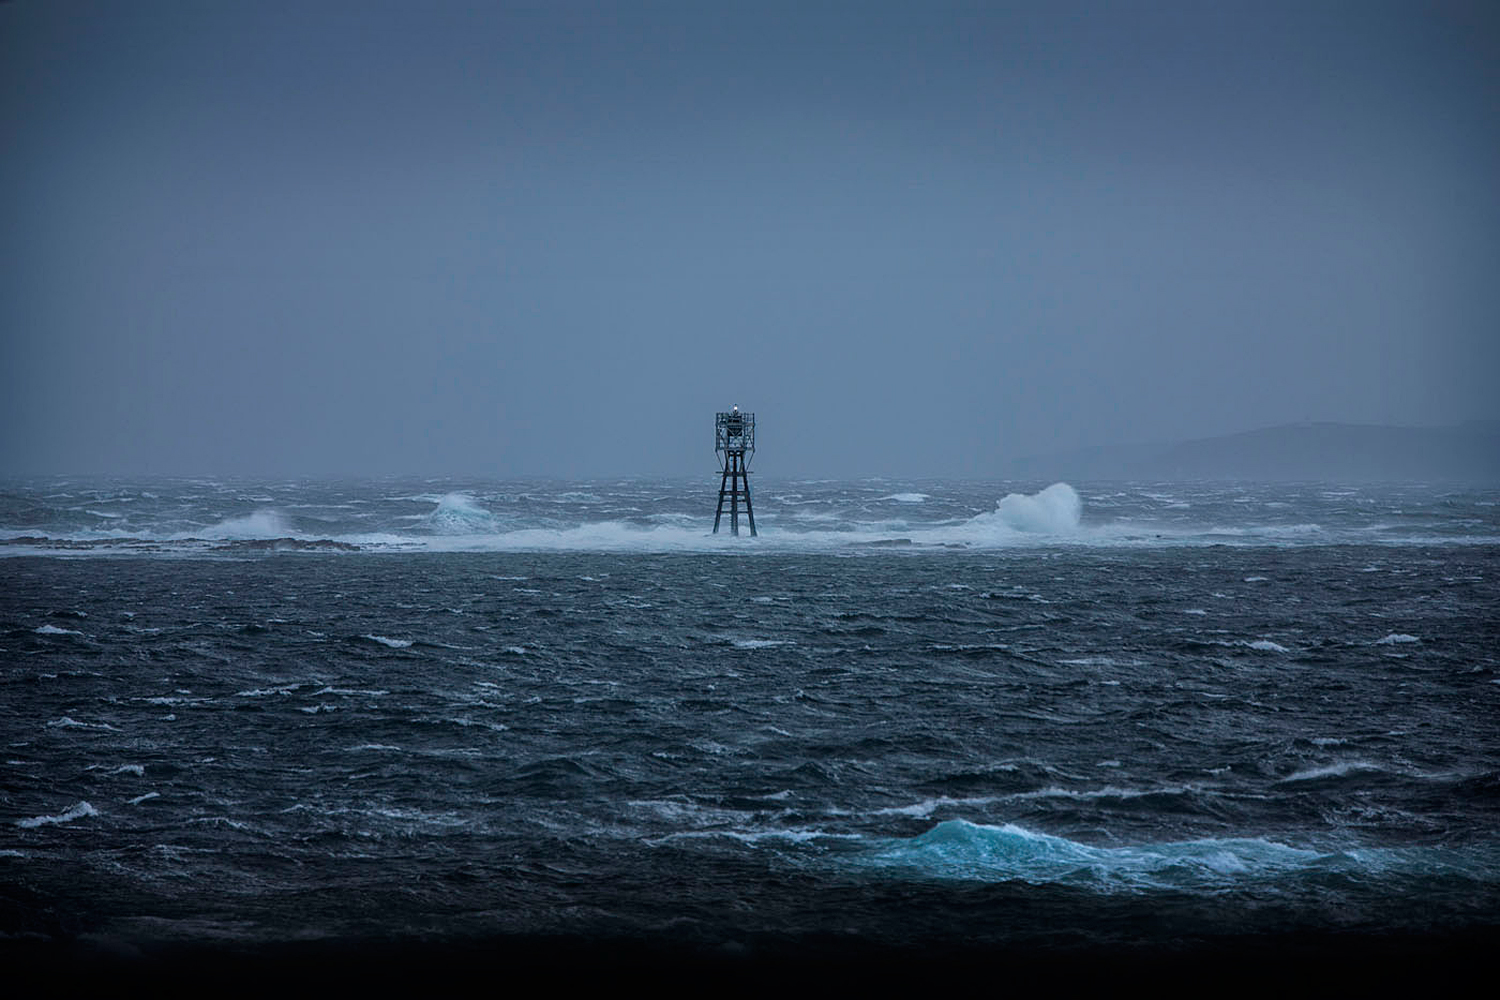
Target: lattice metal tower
734	443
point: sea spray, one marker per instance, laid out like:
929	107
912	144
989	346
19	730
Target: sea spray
460	514
1053	511
259	524
659	516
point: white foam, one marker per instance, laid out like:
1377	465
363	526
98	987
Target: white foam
1333	771
964	850
70	723
54	630
854	521
1267	646
393	643
260	524
756	836
79	811
142	798
1053	511
1107	792
460	514
1396	637
760	643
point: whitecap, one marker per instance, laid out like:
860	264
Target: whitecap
260	524
384	641
1338	770
79	811
1396	637
970	851
67	722
263	692
54	630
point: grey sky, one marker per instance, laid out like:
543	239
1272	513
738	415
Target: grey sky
506	239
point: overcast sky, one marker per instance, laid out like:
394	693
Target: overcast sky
503	239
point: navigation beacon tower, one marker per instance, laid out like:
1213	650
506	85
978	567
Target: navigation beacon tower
734	443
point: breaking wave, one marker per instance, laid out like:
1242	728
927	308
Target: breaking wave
1054	511
460	514
958	849
260	524
673	516
79	811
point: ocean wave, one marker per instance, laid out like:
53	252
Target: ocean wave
1340	770
67	722
1055	510
960	850
266	524
460	514
79	811
54	630
819	519
1396	638
386	641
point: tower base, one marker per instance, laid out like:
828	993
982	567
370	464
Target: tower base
735	486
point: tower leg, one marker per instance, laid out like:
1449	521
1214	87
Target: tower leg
719	511
734	496
749	514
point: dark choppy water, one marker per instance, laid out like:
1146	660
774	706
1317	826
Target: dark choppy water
246	714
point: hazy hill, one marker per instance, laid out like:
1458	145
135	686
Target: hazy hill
1310	451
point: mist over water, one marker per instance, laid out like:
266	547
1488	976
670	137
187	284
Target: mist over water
205	516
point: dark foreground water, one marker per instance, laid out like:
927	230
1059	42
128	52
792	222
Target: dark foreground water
1103	735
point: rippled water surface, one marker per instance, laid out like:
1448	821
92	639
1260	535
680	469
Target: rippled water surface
907	711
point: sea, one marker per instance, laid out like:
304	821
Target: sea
907	724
